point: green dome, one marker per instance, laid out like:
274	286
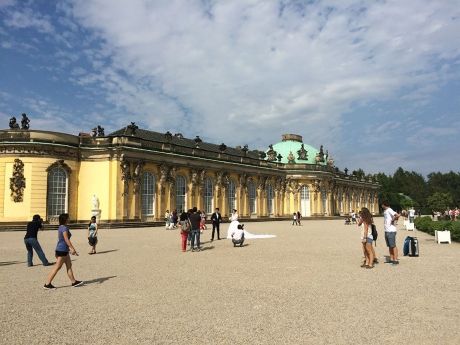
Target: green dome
293	143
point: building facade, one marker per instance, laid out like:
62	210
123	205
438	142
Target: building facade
135	174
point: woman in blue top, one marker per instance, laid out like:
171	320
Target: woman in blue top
62	253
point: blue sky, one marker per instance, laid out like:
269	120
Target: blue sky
376	82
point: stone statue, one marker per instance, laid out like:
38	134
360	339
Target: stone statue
95	202
291	158
13	123
271	154
194	177
94	132
137	176
125	170
100	131
25	122
132	128
302	153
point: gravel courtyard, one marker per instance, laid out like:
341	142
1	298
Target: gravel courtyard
303	287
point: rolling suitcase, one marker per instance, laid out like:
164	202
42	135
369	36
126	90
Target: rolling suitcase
413	247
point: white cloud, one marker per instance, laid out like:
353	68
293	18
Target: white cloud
241	70
27	18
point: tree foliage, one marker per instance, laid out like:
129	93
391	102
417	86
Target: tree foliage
440	201
394	188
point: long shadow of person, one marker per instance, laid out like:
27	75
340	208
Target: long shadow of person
98	280
107	251
7	263
207	248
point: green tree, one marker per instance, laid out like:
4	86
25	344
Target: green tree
440	201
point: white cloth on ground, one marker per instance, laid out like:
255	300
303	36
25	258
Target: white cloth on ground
247	235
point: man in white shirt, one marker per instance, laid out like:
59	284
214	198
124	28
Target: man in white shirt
411	215
389	218
238	235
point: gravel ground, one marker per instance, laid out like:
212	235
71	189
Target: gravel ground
303	287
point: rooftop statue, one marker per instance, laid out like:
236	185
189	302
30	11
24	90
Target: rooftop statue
25	121
132	128
302	153
291	158
13	123
271	154
100	131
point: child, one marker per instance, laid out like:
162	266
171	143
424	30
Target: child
294	218
203	222
92	235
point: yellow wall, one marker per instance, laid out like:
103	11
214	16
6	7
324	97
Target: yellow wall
95	178
2	188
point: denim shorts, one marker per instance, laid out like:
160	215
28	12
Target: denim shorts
60	253
370	240
390	239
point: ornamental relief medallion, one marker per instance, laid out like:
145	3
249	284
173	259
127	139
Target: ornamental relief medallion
18	181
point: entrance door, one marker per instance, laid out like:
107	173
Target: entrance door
305	201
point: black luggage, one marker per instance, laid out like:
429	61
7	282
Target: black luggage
413	247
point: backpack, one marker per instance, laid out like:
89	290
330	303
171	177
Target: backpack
185	225
375	234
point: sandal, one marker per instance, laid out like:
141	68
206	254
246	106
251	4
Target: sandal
363	265
369	267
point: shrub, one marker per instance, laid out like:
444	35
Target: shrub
425	224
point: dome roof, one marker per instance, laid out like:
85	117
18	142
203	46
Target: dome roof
292	143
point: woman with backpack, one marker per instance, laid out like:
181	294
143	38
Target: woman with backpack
184	225
365	223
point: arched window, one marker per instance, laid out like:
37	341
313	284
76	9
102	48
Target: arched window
208	194
270	197
180	194
252	197
148	194
231	196
57	191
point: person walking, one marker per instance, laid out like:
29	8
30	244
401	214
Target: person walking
195	220
298	218
31	241
389	219
294	218
184	225
63	247
167	219
216	219
92	235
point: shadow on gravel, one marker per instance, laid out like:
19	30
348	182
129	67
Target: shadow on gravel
107	251
8	263
98	280
207	248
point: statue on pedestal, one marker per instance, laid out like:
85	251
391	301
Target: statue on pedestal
95	210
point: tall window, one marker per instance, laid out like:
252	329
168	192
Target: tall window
324	200
270	197
252	197
208	194
231	196
57	191
180	194
304	193
340	196
148	194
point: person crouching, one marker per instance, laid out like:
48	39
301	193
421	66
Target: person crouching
238	235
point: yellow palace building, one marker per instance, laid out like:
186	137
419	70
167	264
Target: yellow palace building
136	175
